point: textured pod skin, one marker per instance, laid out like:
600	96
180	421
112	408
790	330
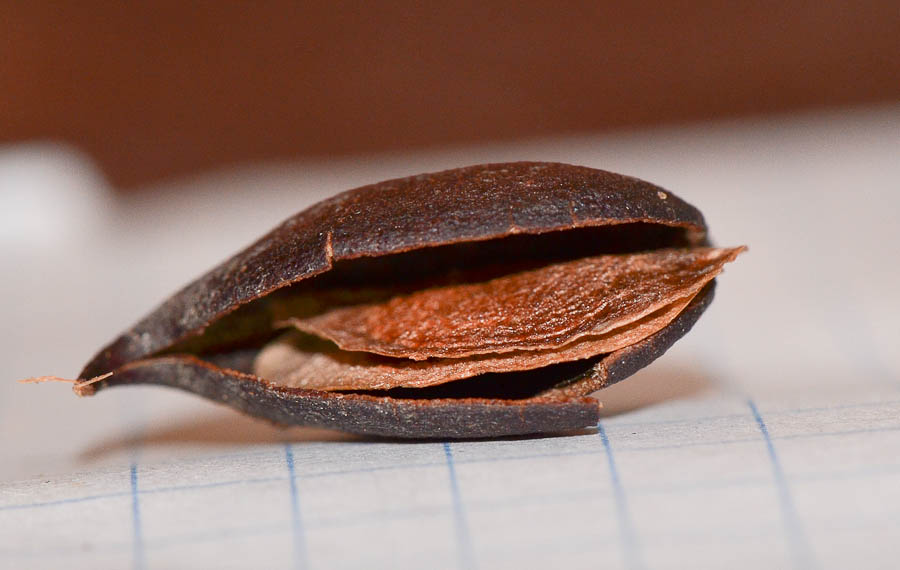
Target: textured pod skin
471	204
392	417
358	413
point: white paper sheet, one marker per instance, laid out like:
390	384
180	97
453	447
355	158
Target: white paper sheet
769	437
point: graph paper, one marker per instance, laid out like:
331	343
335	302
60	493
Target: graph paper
769	437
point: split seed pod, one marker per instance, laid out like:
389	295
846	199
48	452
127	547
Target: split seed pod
483	301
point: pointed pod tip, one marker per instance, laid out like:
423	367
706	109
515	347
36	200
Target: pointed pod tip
86	387
80	387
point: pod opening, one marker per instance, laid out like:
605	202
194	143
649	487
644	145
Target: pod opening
371	279
518	317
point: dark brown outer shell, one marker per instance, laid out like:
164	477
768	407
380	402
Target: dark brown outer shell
392	417
357	413
466	204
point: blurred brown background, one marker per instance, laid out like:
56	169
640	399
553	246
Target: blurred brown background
155	90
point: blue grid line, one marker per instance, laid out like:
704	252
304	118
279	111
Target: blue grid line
367	519
683	445
856	431
375	468
790	411
612	421
152	544
463	537
577	453
847	406
405	513
189	487
717	442
627	533
211	485
139	562
67	501
300	555
801	552
258	480
618	424
699	537
213	536
521	457
615	422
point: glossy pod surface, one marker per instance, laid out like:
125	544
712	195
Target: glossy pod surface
409	234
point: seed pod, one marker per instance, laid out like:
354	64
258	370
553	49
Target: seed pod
483	301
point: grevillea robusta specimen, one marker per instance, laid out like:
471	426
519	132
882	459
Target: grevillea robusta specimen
484	301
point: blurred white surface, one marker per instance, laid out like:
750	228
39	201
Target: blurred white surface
50	196
805	326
